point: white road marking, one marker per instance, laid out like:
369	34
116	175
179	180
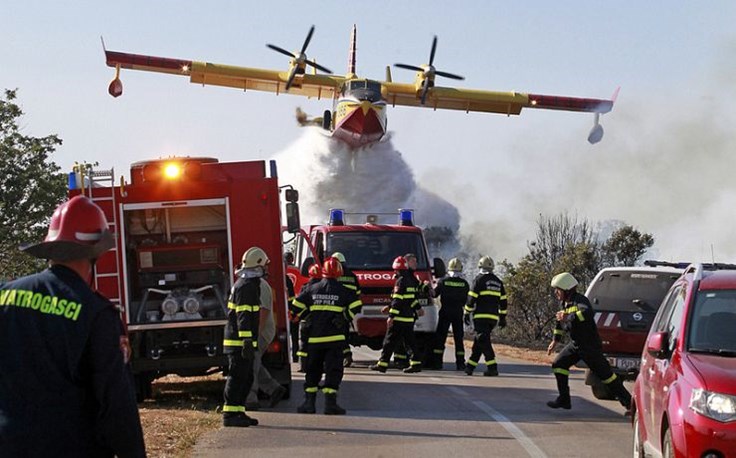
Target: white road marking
530	447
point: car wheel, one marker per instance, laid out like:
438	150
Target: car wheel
668	449
638	443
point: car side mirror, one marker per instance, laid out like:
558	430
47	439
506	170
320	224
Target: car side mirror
657	345
438	268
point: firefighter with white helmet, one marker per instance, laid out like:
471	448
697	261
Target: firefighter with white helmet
241	336
486	306
578	318
65	384
452	291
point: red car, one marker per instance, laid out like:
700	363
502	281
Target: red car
684	399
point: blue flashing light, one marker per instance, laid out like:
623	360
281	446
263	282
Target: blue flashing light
73	181
337	217
406	217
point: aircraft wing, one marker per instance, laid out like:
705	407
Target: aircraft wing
308	85
508	103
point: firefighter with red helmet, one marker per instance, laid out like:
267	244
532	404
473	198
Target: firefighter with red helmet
241	336
578	318
402	312
327	305
486	306
350	281
315	275
65	384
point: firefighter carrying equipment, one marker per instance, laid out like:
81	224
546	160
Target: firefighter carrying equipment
585	345
78	230
455	265
254	257
564	281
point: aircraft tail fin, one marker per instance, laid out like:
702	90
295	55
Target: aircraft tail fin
351	56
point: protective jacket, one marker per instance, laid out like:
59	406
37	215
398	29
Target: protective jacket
243	315
65	386
486	298
453	292
404	303
327	305
349	280
579	322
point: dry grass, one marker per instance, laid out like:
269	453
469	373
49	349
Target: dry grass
184	409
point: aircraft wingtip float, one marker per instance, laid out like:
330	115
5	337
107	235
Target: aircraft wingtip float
358	114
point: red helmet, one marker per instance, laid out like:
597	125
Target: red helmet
400	263
331	268
315	271
78	230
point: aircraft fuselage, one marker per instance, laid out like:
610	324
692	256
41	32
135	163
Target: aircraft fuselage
359	116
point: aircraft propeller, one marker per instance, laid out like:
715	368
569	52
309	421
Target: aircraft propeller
300	60
429	71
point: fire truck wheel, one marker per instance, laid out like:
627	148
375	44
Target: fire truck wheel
143	388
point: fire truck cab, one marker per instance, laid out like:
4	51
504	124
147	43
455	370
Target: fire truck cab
182	226
369	249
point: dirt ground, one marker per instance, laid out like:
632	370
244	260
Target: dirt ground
183	409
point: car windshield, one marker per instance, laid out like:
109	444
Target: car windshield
630	291
713	322
371	250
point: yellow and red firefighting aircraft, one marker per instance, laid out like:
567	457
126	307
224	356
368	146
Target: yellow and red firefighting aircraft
358	116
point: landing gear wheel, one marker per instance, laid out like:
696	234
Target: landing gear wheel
327	120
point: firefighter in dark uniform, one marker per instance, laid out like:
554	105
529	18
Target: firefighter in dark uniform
402	313
65	386
350	281
315	276
486	306
453	292
577	318
327	305
241	336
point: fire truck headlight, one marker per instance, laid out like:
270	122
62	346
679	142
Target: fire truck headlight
169	306
172	171
191	305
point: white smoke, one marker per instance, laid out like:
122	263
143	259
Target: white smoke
376	179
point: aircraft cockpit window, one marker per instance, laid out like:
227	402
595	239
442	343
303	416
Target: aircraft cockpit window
363	90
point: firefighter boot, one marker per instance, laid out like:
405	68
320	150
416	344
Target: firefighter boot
622	394
491	371
331	407
238	419
563	400
469	368
413	367
308	404
459	365
379	366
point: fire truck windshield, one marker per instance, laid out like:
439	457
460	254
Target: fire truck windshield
371	250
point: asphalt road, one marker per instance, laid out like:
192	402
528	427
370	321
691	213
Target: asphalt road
435	413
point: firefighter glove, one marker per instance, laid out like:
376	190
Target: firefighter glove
502	321
467	319
248	353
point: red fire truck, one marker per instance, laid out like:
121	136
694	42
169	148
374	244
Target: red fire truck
369	249
182	225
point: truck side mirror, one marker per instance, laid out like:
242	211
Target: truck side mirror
657	345
306	264
292	217
438	268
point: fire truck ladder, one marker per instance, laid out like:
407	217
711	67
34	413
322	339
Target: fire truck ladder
100	188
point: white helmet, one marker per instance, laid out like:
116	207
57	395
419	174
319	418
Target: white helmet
486	262
564	281
254	257
455	265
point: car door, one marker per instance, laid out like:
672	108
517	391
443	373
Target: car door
663	372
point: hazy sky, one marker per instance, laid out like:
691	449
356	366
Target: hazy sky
665	165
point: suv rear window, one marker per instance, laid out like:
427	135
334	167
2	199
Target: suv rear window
630	291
